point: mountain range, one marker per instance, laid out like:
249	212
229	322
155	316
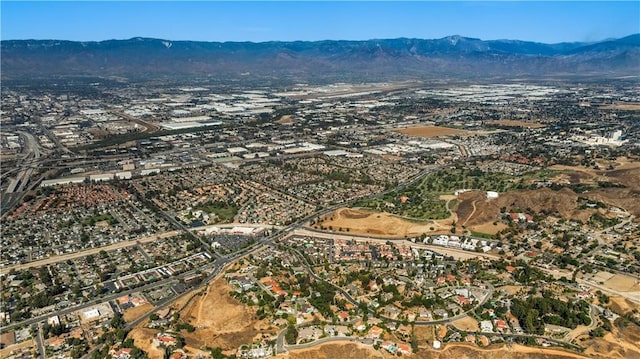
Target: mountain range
449	57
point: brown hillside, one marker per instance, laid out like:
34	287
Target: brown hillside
562	203
620	343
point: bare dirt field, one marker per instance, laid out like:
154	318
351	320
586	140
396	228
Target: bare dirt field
626	106
142	338
431	131
467	323
441	331
515	123
363	222
334	351
6	352
602	276
424	334
286	120
511	289
623	283
621	305
489	227
220	320
450	351
134	313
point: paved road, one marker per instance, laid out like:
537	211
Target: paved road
90	303
593	315
355	302
40	342
453	252
84	253
281	347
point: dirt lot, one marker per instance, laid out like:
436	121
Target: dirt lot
6	352
621	305
334	351
511	289
467	323
134	313
489	227
142	338
431	131
623	283
220	320
626	106
451	351
515	123
286	120
364	222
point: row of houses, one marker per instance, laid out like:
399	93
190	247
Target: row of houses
465	243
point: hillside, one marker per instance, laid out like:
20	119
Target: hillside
449	57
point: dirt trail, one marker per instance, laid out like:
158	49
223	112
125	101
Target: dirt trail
472	212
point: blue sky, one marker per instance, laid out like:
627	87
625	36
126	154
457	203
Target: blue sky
548	21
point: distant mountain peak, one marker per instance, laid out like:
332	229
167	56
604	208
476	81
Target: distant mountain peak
451	56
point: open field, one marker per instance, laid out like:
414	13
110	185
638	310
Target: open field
450	351
221	321
515	123
6	352
357	221
334	350
142	338
467	323
134	313
623	283
621	305
489	227
286	120
625	106
431	131
511	289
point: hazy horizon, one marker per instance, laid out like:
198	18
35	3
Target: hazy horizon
545	22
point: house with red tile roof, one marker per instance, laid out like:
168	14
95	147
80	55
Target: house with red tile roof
124	353
344	316
375	332
404	349
359	326
501	325
164	339
463	300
